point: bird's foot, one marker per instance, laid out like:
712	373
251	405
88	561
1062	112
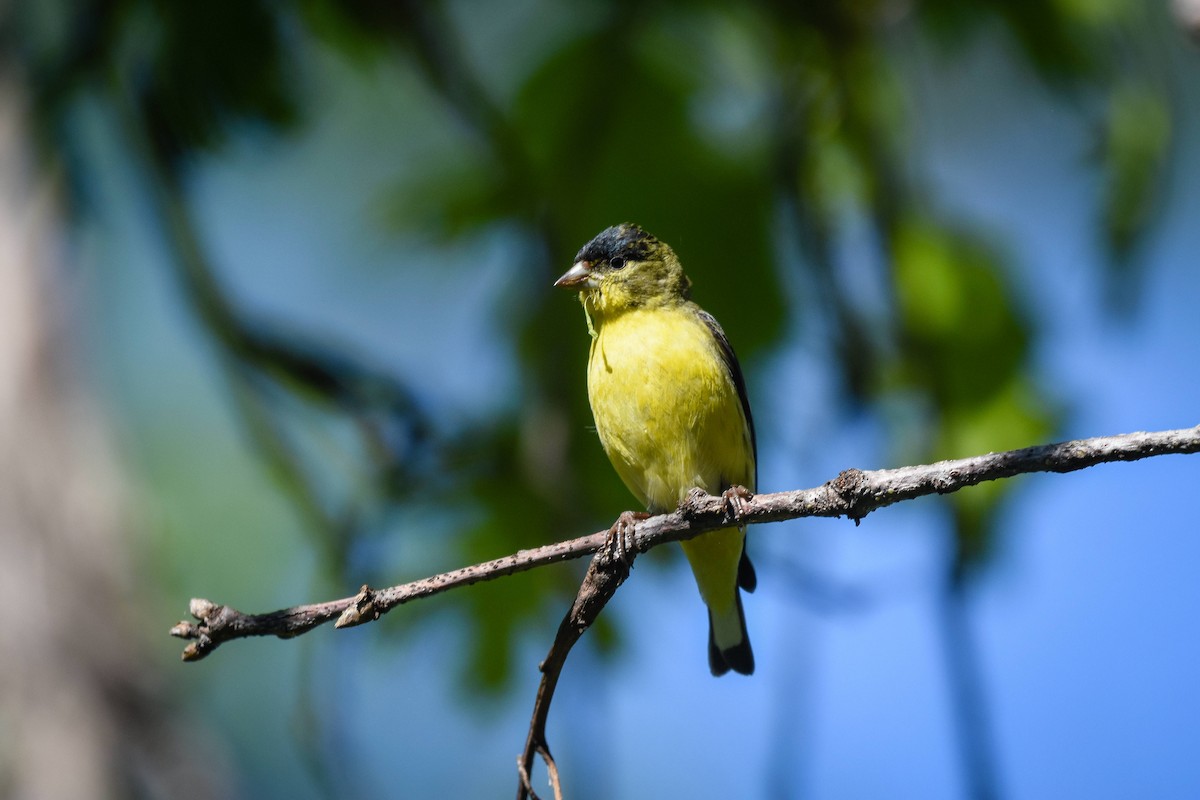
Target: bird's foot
621	545
735	498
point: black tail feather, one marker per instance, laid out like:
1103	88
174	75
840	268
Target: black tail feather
739	658
746	578
716	661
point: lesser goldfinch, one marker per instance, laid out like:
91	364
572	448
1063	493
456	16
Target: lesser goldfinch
670	406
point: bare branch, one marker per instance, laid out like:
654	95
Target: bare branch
854	494
607	571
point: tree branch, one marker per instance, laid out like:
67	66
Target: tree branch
607	571
854	494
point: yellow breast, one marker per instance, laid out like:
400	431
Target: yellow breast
665	406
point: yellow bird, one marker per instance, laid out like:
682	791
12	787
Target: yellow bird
670	406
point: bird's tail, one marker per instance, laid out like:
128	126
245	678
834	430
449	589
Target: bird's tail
721	567
728	642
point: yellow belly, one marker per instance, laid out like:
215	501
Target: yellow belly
670	419
666	409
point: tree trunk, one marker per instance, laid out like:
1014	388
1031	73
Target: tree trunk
81	713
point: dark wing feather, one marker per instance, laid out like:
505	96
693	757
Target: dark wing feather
735	372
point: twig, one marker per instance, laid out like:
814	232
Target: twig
607	571
854	494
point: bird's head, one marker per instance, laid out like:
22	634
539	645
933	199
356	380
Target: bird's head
625	268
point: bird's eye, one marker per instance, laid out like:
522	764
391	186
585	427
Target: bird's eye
617	263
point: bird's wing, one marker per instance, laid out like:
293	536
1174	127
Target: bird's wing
735	372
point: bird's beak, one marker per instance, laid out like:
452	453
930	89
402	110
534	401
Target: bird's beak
578	274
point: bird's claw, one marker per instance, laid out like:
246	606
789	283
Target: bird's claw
735	498
621	544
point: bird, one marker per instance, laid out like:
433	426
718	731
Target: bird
671	411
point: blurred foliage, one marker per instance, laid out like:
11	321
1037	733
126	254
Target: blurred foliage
1137	137
739	135
964	351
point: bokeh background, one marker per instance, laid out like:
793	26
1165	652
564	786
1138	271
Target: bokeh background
278	320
